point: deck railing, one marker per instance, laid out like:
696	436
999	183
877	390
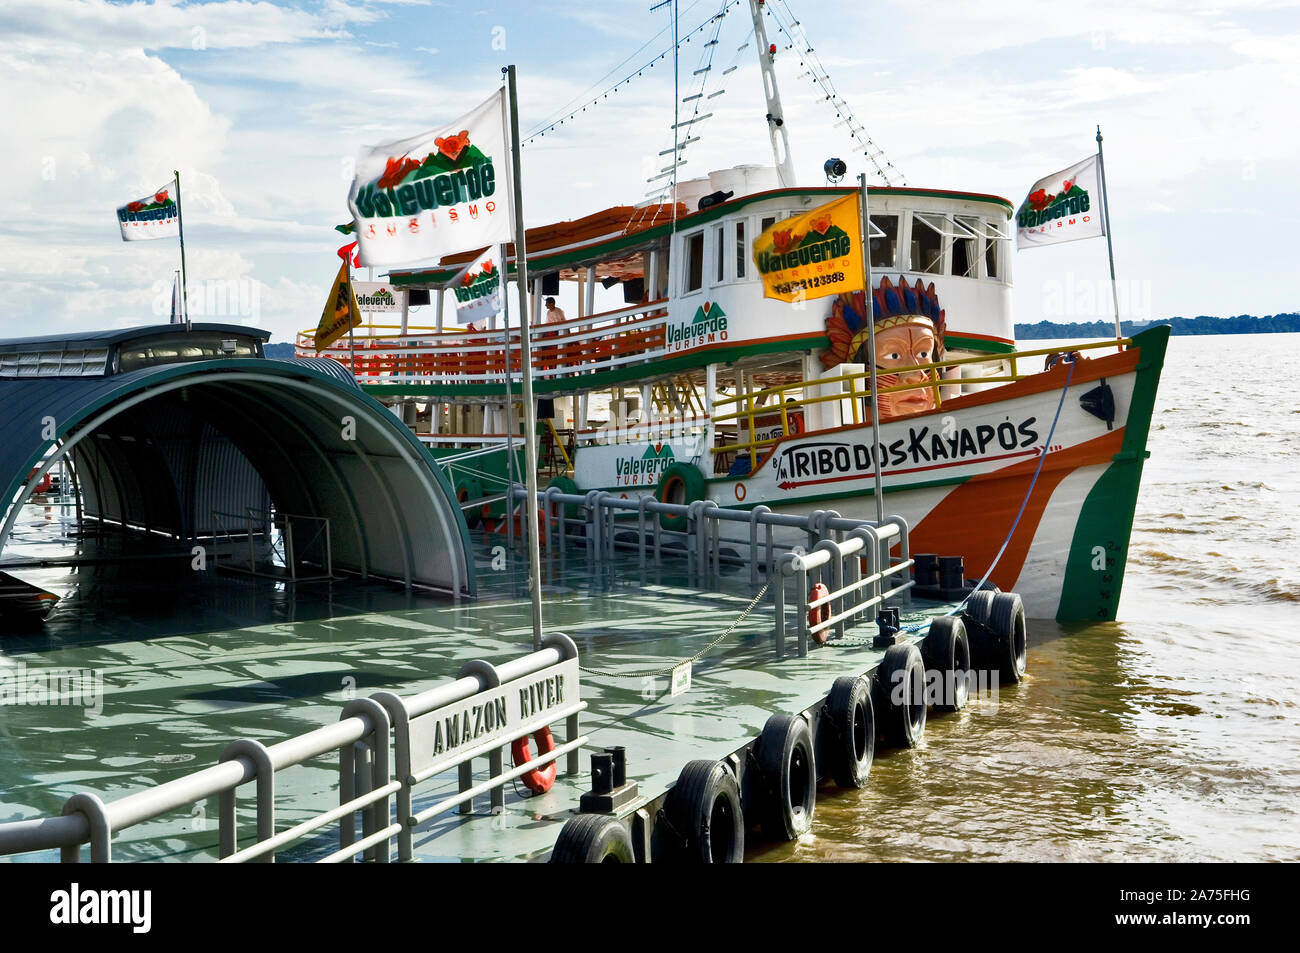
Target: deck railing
789	399
383	354
362	736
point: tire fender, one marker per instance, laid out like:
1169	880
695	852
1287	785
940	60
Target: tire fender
851	744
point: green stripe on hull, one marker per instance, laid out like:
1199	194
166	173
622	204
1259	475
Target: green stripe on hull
1094	570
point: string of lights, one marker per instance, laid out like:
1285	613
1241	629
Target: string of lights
576	111
800	44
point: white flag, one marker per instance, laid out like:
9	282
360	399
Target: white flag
153	216
437	193
478	289
1063	207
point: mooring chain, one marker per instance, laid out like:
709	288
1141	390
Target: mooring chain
694	658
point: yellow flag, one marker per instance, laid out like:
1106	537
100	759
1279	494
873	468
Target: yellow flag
341	313
814	254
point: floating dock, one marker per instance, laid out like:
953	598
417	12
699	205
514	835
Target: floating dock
342	729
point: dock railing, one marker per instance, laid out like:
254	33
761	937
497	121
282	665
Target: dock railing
831	552
417	727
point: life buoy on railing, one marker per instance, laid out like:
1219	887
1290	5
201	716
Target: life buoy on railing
795	421
820	614
538	780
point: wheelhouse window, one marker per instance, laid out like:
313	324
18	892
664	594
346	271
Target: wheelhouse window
694	263
965	246
719	239
927	247
884	241
742	253
991	258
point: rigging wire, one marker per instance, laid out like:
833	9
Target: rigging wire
573	111
799	43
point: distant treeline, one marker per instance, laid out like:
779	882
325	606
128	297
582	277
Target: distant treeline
1241	324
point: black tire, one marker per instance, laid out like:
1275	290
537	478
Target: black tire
682	484
1007	620
980	605
789	769
851	744
704	809
900	695
983	646
946	650
593	839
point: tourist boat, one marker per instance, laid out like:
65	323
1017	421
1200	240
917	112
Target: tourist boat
698	387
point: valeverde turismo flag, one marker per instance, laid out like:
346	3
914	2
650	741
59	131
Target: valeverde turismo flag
1063	207
341	313
478	290
814	254
153	216
437	193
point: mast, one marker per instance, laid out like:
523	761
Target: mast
775	115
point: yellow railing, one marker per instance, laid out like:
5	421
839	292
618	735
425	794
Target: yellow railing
784	404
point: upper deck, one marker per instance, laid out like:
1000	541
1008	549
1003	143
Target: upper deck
691	293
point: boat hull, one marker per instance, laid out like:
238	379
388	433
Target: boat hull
971	479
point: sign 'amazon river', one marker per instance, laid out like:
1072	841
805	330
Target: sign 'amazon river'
814	254
442	737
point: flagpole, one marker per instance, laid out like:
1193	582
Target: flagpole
530	410
510	402
352	343
869	317
1105	217
180	228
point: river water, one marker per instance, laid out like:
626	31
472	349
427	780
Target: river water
1169	735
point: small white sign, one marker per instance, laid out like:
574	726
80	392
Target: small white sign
681	679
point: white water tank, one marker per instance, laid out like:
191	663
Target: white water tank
744	180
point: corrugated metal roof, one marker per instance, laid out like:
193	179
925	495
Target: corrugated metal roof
82	339
392	510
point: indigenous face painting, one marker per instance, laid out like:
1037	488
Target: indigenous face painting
909	331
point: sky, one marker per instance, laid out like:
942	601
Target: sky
264	106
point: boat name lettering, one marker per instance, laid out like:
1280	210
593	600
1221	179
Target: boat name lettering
837	247
813	460
452	188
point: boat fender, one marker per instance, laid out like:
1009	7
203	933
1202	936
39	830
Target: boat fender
1007	620
538	780
820	614
853	719
946	650
704	810
900	695
682	484
789	771
593	839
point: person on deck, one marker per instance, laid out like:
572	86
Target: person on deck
553	314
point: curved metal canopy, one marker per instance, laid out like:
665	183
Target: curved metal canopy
155	447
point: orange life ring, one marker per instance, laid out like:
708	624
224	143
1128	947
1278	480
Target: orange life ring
538	780
795	421
820	614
